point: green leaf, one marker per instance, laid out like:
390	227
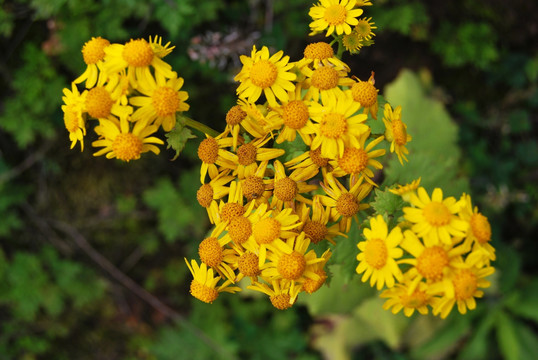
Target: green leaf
386	202
177	138
524	304
507	337
478	347
455	327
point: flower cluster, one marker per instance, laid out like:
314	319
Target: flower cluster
437	256
271	208
131	92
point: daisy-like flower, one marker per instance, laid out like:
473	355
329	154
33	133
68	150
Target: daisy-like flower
158	48
204	285
334	16
237	117
247	263
121	142
435	218
216	189
93	53
479	232
212	152
162	101
325	81
262	73
365	93
465	283
316	228
295	118
282	293
103	100
256	122
137	56
250	153
360	160
307	159
337	126
320	54
309	284
352	42
74	119
364	28
212	252
291	260
398	298
288	189
377	254
396	132
255	187
406	190
430	263
233	207
344	204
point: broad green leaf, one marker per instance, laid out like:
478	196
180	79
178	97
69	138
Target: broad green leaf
178	137
525	302
507	338
386	202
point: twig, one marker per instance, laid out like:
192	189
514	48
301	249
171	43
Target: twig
143	294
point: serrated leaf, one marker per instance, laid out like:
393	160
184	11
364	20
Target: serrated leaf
178	137
507	337
386	202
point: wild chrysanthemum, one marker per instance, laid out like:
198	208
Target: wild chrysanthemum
204	285
405	191
352	42
311	285
136	56
121	142
255	187
396	132
360	160
378	254
249	154
288	189
365	93
103	100
325	81
307	159
212	152
93	53
320	54
282	293
216	189
435	218
364	28
337	126
212	252
344	204
268	74
316	227
479	232
398	298
334	16
74	118
237	118
162	101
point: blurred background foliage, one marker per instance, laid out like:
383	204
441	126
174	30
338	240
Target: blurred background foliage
91	250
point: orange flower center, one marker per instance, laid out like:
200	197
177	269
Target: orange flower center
325	78
266	230
99	102
281	301
253	187
295	114
203	292
263	74
399	132
235	115
315	156
165	101
286	189
94	50
376	253
431	262
436	214
481	228
210	251
365	93
291	266
231	210
204	195
415	300
465	284
127	147
137	53
319	50
353	160
208	151
315	231
335	14
333	125
311	286
246	154
248	264
240	229
347	205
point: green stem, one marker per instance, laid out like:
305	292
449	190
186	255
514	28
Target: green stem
200	127
340	50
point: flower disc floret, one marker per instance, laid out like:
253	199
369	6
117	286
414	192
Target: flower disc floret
263	73
266	230
253	187
248	264
94	50
291	266
399	132
376	253
99	102
315	156
465	284
353	161
240	229
203	292
246	154
208	151
325	78
231	210
436	213
318	51
165	101
315	231
235	115
281	301
333	125
347	205
210	252
311	286
295	114
481	228
286	189
138	53
364	92
204	195
127	146
431	263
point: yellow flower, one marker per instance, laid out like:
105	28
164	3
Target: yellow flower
307	159
119	141
137	56
270	75
310	285
162	101
282	293
358	160
316	227
320	54
237	118
250	153
396	132
364	28
212	252
337	126
365	93
74	119
255	187
325	81
93	53
399	298
406	190
334	15
212	152
288	189
352	42
344	204
376	259
204	285
208	193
